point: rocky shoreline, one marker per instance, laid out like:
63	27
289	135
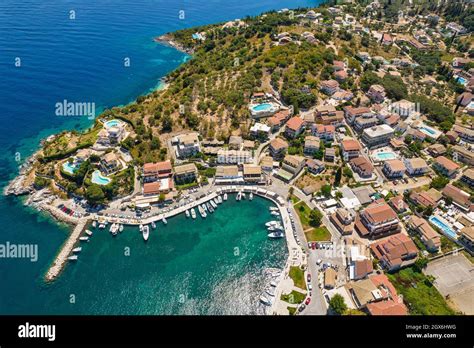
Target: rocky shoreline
167	40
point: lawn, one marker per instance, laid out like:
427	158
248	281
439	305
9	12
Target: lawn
297	275
293	297
419	294
303	212
291	310
294	199
318	234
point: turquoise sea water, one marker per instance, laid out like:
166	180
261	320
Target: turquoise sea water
82	60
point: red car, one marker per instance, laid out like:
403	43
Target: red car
313	246
308	301
308	277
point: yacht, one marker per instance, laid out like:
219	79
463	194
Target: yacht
265	301
214	205
251	196
187	213
89	233
193	213
219	199
153	225
77	250
225	196
72	258
204	206
84	239
215	200
146	232
275	235
202	212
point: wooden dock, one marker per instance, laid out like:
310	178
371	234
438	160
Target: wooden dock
66	251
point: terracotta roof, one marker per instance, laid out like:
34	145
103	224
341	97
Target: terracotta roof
377	213
395	249
156	167
447	163
151	187
457	195
185	168
295	123
363	164
329	84
350	145
278	144
395	165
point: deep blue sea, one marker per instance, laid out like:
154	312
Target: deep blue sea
75	50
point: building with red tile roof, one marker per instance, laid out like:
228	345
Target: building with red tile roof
377	220
294	127
395	252
446	167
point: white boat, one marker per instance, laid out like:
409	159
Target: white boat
243	195
187	213
273	283
193	213
84	238
273	209
121	228
265	301
270	291
215	200
77	250
275	228
225	196
204	206
275	213
114	229
272	223
140	228
72	258
210	208
164	220
101	226
239	196
219	199
275	235
89	233
94	224
146	232
251	196
202	212
153	225
214	205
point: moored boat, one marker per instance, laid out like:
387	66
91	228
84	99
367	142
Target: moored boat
146	232
153	225
214	205
72	258
77	250
84	238
275	235
94	224
187	213
219	199
89	233
165	221
193	213
265	301
272	223
275	228
225	196
121	228
251	196
140	228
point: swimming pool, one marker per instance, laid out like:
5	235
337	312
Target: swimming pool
69	167
431	132
462	80
99	179
385	156
112	123
262	107
435	220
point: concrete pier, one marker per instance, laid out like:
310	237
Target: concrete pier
66	250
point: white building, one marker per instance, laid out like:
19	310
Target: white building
225	156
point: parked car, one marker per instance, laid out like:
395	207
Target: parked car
308	301
319	262
308	277
301	308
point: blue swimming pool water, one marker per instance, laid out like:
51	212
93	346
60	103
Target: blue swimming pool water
462	80
428	130
112	123
99	179
384	156
262	107
69	167
443	227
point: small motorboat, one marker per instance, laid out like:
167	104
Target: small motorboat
140	228
214	205
72	258
77	250
153	225
193	213
275	213
165	221
146	232
94	224
275	229
89	233
273	283
275	235
219	199
187	213
243	195
265	301
251	196
84	239
272	223
121	228
225	196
